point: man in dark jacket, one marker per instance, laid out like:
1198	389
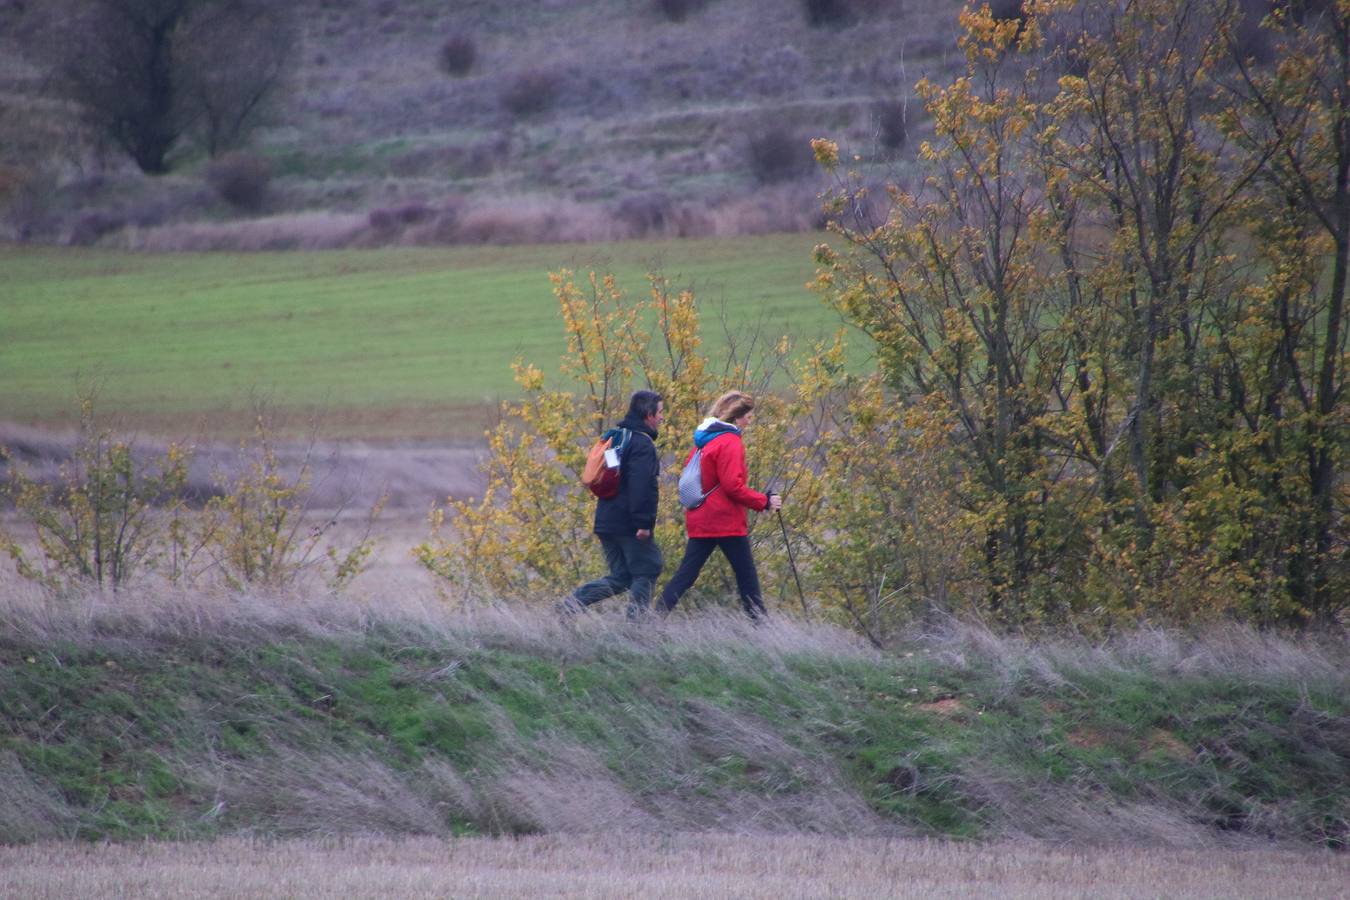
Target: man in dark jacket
625	521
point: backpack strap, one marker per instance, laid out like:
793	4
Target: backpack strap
617	437
712	490
628	435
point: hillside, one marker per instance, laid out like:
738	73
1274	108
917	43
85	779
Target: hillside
576	121
173	716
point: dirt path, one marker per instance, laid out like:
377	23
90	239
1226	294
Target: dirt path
352	473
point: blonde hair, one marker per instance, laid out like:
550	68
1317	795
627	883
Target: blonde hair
732	405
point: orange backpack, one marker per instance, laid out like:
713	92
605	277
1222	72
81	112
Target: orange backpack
601	472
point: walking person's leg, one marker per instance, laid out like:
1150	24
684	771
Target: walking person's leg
616	582
738	553
696	553
643	559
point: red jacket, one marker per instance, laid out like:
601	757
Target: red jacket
723	513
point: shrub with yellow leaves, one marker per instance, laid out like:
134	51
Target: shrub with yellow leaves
100	522
116	513
529	535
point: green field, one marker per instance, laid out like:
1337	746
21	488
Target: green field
404	342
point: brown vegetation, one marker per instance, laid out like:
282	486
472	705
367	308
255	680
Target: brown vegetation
530	93
678	10
779	155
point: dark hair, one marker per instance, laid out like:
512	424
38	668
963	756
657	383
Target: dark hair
643	404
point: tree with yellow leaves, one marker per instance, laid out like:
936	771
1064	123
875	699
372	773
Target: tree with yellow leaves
1109	303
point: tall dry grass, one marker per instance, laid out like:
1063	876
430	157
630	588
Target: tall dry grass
31	614
1218	649
670	866
311	783
1229	654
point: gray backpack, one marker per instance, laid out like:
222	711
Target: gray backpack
691	482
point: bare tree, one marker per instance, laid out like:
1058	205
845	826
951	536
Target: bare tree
145	72
238	55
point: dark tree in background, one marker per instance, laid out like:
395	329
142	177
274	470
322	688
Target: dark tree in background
235	56
146	73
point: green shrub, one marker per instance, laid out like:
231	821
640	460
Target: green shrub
892	124
678	10
458	55
258	530
114	513
828	13
779	155
241	179
530	93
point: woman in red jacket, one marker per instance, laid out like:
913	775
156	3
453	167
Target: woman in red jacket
720	522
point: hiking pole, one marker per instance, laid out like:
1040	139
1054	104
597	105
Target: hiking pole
793	563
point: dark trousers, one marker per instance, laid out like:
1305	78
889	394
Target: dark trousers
633	567
696	553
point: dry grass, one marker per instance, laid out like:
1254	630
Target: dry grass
524	219
293	231
678	865
165	612
306	785
1220	649
698	764
29	809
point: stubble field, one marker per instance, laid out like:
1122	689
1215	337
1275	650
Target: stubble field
743	865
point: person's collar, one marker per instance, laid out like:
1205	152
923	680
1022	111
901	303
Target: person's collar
711	428
636	424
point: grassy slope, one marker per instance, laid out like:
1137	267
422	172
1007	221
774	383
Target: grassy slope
354	331
218	720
